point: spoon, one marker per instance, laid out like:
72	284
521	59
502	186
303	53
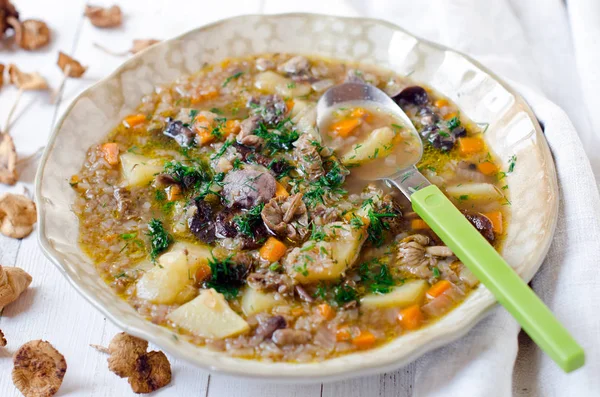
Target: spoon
461	237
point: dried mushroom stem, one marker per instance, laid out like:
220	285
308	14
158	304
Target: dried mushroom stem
101	349
38	369
109	51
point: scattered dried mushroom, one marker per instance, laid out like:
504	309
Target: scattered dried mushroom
1	75
7	10
70	66
2	339
146	371
13	281
26	81
38	369
30	34
17	215
8	160
104	17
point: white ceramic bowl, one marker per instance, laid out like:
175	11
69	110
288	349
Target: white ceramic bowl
513	130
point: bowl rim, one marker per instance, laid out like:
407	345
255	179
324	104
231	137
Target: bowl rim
454	334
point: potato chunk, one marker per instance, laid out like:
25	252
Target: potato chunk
326	260
409	293
255	301
209	316
272	82
139	170
378	144
171	280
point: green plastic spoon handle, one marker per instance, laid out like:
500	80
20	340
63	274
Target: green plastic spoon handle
490	268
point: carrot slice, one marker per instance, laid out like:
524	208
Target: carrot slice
450	116
438	288
134	120
365	340
280	190
361	113
232	127
470	145
202	273
272	250
173	192
418	224
496	218
342	334
297	311
411	317
440	103
487	168
345	127
326	311
289	105
203	128
110	151
204	95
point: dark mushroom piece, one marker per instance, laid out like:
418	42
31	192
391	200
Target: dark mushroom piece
178	131
266	328
482	224
270	108
283	337
247	188
414	95
202	224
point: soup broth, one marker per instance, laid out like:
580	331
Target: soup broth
218	209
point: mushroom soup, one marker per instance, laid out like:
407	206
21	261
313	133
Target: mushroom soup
220	211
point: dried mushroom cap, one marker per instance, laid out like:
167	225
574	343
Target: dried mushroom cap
70	66
39	369
152	371
142	44
104	17
30	34
2	339
17	215
13	281
26	81
124	350
6	10
8	160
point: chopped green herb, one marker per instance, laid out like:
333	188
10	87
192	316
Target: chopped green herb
193	113
247	222
356	222
317	233
216	111
222	150
376	276
463	197
436	272
128	236
397	126
291	85
377	226
235	76
276	266
159	238
344	294
453	123
512	162
222	277
321	291
278	138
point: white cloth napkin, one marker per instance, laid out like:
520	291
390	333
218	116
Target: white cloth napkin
528	42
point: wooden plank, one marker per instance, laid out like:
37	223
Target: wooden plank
394	384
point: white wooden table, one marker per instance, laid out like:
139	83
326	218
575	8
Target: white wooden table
50	309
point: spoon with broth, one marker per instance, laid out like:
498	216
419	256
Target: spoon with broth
373	136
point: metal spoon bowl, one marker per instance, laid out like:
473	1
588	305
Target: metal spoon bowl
462	238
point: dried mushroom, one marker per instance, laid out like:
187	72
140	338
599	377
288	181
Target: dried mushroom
8	160
1	75
146	371
17	215
13	281
38	369
104	17
7	10
70	66
2	339
124	350
30	34
26	81
152	372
